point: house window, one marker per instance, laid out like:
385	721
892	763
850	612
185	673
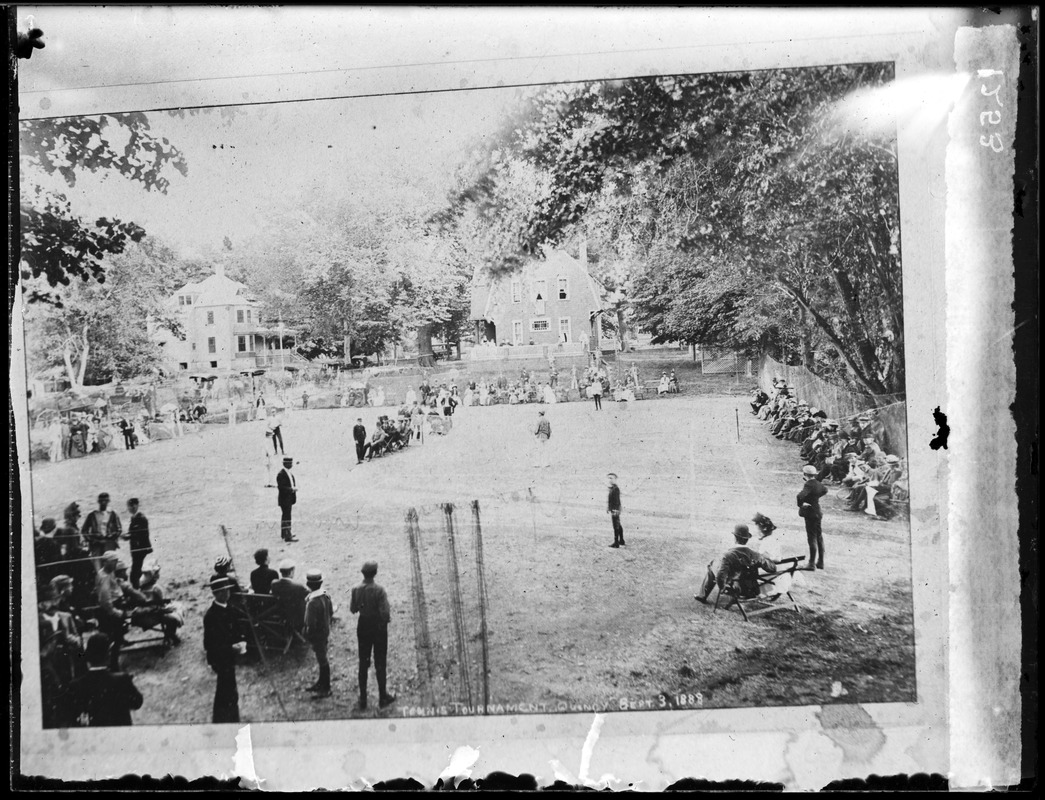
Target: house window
239	315
212	345
540	325
540	290
516	291
517	332
183	365
188	300
213	364
210	317
241	344
193	345
564	330
563	289
248	315
181	299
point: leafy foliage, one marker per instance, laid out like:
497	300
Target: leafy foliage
57	244
743	209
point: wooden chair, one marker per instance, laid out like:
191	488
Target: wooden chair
264	615
762	601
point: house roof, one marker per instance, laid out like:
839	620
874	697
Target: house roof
217	290
483	284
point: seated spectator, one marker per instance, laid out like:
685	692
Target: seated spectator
111	616
873	495
60	656
739	563
261	578
223	569
664	386
291	595
156	608
768	548
673	383
377	443
102	697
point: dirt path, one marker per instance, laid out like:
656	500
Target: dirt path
570	621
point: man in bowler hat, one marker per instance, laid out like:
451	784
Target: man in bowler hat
809	509
287	484
319	611
223	641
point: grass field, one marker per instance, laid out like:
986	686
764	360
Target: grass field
571	623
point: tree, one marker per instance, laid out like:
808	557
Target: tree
747	210
57	244
101	332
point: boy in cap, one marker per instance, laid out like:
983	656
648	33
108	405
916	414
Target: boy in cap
222	642
319	611
287	485
737	563
371	603
809	509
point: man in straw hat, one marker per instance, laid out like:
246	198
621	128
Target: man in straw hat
371	603
735	564
222	642
319	611
287	484
809	509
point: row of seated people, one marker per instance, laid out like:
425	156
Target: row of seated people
272	607
851	456
67	624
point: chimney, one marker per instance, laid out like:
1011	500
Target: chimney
583	254
219	269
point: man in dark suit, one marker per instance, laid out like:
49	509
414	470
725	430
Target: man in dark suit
809	509
102	529
359	434
291	595
141	545
613	507
287	485
223	641
739	563
371	603
102	697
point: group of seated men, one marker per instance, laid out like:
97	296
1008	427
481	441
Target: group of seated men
849	455
87	595
280	584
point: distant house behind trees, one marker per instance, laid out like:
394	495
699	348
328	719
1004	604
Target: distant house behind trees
549	301
224	329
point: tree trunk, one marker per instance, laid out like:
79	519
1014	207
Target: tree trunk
425	355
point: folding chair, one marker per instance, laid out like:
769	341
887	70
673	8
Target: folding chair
763	602
264	614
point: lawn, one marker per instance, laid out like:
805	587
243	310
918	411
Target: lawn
571	624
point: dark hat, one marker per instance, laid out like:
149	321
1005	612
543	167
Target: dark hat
741	532
103	496
288	461
314	577
97	648
220	583
764	523
48	525
370	569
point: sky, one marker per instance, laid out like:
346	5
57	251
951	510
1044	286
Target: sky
249	172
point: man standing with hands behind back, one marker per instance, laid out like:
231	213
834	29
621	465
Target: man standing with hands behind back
614	511
222	643
371	603
287	485
809	510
